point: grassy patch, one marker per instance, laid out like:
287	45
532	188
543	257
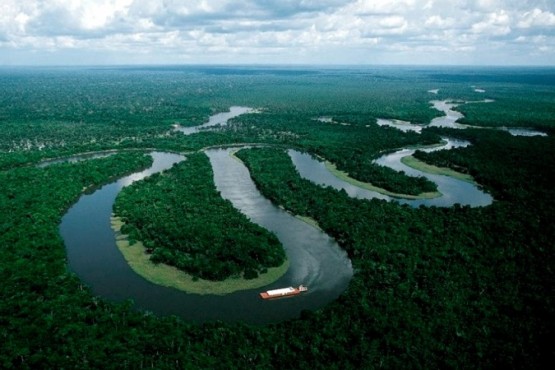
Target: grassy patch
428	168
172	277
364	185
310	221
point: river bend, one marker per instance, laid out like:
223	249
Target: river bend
315	259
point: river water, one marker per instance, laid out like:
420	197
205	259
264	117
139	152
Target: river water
216	119
315	259
453	191
75	158
450	118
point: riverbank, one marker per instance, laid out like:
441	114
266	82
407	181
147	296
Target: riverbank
306	219
332	168
428	168
171	277
309	220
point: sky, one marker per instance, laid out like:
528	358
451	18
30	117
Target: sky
313	32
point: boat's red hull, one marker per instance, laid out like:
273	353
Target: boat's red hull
283	292
265	295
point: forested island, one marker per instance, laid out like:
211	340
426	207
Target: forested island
433	287
182	221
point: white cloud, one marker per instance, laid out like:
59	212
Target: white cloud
380	7
437	22
98	14
487	5
347	31
14	17
537	18
495	24
393	22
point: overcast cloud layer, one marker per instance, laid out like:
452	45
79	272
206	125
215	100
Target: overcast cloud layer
487	32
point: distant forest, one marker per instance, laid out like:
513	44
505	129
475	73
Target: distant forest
455	287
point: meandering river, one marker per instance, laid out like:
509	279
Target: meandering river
216	119
452	190
315	259
450	118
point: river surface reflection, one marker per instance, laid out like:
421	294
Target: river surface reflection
216	119
315	258
453	191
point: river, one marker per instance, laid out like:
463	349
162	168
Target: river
450	118
315	259
453	191
216	119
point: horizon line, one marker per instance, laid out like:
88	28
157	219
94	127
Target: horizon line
282	65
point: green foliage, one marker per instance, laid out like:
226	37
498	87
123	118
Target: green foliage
517	169
433	288
452	282
521	97
365	144
182	216
127	108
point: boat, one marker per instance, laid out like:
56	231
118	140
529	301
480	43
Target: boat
283	292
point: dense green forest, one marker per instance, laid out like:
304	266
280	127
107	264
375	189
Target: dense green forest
366	142
464	273
181	216
433	287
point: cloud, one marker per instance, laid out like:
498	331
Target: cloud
279	31
393	22
288	8
537	18
494	24
381	7
14	17
437	22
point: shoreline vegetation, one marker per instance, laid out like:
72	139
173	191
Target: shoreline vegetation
312	222
308	220
434	170
182	218
172	277
446	287
368	186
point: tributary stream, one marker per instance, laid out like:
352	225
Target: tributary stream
315	259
